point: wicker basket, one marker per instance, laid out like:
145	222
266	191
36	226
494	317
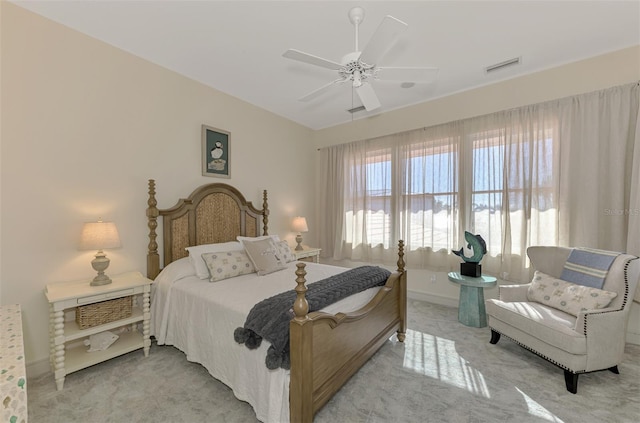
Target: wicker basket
90	315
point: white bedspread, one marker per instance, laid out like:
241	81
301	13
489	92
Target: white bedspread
199	317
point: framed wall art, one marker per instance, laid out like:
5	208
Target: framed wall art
216	153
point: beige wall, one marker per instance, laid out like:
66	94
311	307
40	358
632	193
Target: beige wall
84	125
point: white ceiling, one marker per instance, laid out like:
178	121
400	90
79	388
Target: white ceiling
237	46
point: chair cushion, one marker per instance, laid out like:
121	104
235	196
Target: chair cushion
547	324
566	296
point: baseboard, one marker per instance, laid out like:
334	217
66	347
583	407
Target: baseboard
38	368
633	338
432	298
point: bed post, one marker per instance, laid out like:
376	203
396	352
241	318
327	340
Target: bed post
402	331
265	214
301	379
301	306
153	259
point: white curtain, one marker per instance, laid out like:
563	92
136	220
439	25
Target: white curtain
633	239
563	172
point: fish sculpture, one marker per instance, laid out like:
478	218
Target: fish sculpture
475	243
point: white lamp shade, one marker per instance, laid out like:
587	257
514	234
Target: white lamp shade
99	235
300	224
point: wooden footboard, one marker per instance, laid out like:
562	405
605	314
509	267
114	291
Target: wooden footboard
327	349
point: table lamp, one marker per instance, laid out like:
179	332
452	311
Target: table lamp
99	236
299	225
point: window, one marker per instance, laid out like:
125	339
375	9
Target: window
370	206
429	190
512	184
497	175
429	194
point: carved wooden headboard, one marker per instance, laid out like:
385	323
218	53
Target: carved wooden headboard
212	214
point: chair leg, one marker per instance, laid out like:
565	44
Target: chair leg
614	369
571	381
495	337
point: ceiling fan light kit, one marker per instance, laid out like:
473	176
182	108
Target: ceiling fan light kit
360	67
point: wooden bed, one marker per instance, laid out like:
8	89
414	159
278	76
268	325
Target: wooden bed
325	349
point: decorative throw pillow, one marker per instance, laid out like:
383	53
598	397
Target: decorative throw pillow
275	238
227	264
264	255
566	296
285	252
196	252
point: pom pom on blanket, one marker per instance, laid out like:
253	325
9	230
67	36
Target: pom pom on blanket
275	359
247	337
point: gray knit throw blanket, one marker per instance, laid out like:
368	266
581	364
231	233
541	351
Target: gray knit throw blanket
269	319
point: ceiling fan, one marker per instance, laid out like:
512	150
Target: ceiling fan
361	67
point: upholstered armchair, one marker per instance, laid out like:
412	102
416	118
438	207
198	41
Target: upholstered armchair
578	337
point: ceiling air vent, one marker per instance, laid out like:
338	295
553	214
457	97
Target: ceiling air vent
502	65
356	109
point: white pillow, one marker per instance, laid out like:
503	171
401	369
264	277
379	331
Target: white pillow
264	255
228	264
177	270
285	251
566	296
196	252
275	238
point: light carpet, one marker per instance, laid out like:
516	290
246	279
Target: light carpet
443	372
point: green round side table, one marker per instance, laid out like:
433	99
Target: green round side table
471	310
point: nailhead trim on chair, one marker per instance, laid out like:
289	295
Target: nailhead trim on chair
625	299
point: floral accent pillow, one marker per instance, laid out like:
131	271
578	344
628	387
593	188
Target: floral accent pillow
265	256
227	264
566	296
285	252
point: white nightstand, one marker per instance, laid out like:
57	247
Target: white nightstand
308	253
68	354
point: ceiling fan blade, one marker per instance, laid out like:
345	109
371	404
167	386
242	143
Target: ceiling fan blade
311	59
382	39
407	74
315	93
368	96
